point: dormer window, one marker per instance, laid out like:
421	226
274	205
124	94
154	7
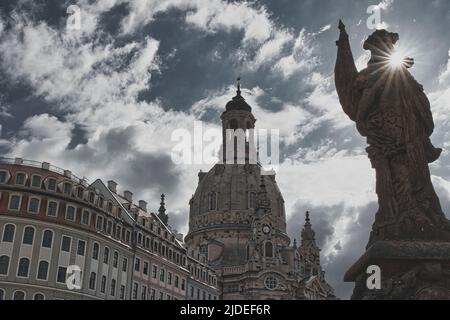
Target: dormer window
51	184
20	179
212	201
67	188
36	181
80	192
100	202
3	176
91	197
110	207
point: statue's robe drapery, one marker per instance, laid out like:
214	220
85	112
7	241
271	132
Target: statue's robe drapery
391	110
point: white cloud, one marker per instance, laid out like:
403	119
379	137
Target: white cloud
444	76
386	4
302	57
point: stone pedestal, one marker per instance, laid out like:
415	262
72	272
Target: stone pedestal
410	270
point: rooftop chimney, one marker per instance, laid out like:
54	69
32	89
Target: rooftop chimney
18	161
112	185
45	165
68	173
128	195
143	205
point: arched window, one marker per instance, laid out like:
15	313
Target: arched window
113	287
33	205
3	176
36	181
19	295
51	184
20	178
80	191
4	265
248	252
8	233
95	251
252	200
268	249
42	270
212	201
106	255
28	235
140	238
115	259
70	213
47	239
103	285
38	296
67	188
92	280
24	266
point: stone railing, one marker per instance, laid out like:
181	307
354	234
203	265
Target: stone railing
45	166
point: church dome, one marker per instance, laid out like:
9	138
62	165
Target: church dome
226	199
238	103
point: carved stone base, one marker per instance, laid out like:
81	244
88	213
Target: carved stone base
410	270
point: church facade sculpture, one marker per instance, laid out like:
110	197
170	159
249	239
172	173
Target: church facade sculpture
410	236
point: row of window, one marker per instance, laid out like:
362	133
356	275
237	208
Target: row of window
202	275
213	200
170	279
47	242
112	290
160	248
51	185
20	295
34	206
149	293
196	293
102	224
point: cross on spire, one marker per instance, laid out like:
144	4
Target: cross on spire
238	85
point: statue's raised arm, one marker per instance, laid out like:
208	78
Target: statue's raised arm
346	74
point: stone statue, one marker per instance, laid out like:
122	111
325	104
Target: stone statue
392	111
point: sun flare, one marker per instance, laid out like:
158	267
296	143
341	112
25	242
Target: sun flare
397	59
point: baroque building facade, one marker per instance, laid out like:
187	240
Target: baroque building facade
51	221
237	221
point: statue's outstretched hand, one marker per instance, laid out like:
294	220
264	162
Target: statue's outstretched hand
408	62
344	34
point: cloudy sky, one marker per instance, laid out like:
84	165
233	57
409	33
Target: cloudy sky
104	100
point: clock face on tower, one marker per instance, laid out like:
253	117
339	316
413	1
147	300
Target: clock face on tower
266	229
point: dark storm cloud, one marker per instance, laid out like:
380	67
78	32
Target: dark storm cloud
150	171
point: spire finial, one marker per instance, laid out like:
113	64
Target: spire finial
238	85
162	211
307	216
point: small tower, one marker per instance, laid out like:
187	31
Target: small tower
309	251
236	121
162	211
